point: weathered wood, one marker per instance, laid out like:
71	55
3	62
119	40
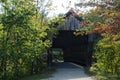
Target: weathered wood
75	48
72	22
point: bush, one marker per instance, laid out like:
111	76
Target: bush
107	55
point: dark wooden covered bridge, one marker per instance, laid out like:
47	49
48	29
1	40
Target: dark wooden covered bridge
75	48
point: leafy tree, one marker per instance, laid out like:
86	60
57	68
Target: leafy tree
23	39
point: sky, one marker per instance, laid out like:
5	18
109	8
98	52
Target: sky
62	6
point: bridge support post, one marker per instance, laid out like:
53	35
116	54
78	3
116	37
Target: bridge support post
49	58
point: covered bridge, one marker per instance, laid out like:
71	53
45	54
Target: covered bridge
75	48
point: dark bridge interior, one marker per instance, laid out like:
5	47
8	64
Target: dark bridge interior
75	48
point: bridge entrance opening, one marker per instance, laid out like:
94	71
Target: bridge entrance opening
57	55
71	48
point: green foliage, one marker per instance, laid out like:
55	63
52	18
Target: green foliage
107	59
23	39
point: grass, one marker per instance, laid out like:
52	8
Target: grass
42	75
